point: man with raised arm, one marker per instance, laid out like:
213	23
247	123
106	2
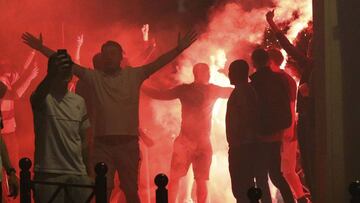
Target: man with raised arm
305	100
274	117
289	146
60	124
193	145
116	107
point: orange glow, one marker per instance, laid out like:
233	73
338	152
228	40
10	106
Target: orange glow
233	29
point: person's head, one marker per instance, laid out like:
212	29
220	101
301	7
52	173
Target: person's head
98	62
276	59
112	55
201	73
238	72
62	71
260	58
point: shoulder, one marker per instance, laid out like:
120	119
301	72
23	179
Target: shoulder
75	97
76	101
181	88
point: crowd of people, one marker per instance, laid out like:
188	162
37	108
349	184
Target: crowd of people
262	128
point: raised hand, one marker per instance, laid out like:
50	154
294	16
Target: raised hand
145	32
59	62
34	72
270	16
32	41
80	40
184	42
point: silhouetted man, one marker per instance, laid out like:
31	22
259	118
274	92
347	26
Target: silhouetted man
274	118
305	100
241	132
193	145
289	142
116	108
60	124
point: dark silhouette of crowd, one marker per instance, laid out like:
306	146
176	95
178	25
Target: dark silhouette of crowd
262	129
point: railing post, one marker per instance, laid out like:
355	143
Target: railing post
354	190
161	180
100	183
25	180
254	194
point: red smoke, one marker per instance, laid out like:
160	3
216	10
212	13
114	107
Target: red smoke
231	33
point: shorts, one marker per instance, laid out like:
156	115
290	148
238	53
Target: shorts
195	152
288	156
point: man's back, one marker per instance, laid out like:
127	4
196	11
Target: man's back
241	116
274	101
197	102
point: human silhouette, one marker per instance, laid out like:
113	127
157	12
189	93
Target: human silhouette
192	146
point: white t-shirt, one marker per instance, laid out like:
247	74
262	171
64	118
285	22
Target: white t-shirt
58	144
116	100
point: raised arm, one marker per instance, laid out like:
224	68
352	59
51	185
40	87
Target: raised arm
169	94
37	44
284	41
224	92
148	48
79	43
56	62
21	83
29	60
166	58
24	81
149	45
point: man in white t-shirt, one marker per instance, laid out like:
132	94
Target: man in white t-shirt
60	123
116	93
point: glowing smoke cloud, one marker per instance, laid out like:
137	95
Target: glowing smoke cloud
231	34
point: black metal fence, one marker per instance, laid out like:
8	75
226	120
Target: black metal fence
27	184
161	181
99	188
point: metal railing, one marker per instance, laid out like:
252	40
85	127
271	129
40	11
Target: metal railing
161	180
27	184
